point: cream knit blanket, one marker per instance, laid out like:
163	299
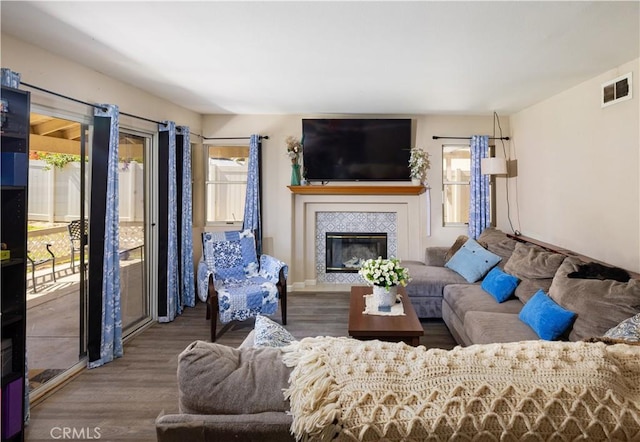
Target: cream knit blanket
348	390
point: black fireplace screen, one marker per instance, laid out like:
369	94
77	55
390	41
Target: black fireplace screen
347	251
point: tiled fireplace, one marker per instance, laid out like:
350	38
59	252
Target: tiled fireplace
351	222
314	215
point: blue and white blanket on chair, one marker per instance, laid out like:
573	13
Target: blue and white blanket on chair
245	286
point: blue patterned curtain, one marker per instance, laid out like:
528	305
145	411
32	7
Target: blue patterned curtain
111	339
188	284
479	210
252	216
10	78
174	306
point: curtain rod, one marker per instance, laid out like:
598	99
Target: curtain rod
96	106
22	83
436	137
265	137
87	104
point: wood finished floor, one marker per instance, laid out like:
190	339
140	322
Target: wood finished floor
123	398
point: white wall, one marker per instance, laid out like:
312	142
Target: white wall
278	201
49	71
578	180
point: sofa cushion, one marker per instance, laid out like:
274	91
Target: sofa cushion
498	242
429	281
262	427
269	333
434	256
533	262
534	266
529	287
472	261
463	298
216	379
499	284
489	328
545	317
599	304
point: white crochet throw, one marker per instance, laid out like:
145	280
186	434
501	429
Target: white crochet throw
347	390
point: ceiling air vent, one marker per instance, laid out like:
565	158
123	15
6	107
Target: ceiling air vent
616	90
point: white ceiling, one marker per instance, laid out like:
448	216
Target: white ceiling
419	57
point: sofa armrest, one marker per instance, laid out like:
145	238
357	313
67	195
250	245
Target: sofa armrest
259	427
434	256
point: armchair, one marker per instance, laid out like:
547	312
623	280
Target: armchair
235	283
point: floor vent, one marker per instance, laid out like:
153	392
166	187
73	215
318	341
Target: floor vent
616	90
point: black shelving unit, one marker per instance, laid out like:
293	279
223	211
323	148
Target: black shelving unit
14	161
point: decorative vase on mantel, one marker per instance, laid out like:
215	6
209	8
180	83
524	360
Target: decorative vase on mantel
295	174
416	181
385	297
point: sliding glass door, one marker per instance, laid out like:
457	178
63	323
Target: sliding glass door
133	152
56	240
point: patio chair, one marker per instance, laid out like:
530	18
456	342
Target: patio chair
37	262
235	283
77	239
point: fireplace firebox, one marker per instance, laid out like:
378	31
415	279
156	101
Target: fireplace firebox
346	251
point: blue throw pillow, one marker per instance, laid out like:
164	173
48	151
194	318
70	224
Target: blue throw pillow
472	261
499	284
545	317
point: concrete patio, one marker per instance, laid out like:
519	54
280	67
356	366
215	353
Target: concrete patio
53	314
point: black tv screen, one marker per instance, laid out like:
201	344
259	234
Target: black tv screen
356	149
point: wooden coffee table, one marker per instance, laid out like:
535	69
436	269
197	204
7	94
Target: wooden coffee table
405	328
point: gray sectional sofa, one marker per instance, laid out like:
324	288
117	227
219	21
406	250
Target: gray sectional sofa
429	278
475	317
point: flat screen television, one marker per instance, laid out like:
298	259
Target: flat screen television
356	149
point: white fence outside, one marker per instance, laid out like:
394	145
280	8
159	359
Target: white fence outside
54	194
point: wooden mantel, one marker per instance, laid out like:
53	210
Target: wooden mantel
357	190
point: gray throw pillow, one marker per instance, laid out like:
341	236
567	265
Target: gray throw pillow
535	267
217	379
599	304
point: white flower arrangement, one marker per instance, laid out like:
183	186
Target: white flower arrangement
294	149
384	272
419	164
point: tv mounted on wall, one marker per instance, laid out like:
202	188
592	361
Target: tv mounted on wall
356	149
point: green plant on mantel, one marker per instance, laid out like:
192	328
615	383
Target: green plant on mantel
419	163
